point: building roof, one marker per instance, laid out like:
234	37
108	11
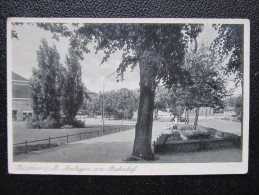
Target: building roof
89	94
20	87
16	77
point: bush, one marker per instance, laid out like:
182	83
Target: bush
42	124
77	123
199	133
72	123
50	123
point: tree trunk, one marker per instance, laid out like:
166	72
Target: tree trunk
196	117
188	114
156	113
185	115
179	113
143	131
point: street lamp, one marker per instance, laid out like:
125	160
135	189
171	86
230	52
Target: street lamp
104	82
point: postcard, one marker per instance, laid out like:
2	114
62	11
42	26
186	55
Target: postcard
128	96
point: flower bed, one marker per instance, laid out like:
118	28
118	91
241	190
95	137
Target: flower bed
185	138
197	134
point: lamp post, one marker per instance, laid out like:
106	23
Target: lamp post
104	82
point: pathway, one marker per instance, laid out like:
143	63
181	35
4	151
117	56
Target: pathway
115	147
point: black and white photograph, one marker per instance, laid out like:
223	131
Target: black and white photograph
128	96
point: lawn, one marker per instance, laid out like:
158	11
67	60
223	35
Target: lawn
21	133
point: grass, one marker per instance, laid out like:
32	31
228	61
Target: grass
21	133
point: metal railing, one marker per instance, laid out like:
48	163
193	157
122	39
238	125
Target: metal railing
26	146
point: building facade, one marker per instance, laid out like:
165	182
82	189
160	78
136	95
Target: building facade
21	98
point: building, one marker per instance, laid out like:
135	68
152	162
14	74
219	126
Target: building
21	98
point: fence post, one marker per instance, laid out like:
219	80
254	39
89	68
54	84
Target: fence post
67	138
26	149
49	142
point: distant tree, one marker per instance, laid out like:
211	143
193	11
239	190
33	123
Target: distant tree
47	84
239	106
179	101
208	89
236	103
73	92
95	105
126	103
161	100
119	104
110	101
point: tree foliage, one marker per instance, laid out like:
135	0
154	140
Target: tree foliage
73	92
159	51
230	44
56	90
118	104
161	100
46	84
236	103
208	87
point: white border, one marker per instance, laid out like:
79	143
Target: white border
142	168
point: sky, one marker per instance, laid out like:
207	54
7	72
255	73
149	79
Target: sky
24	58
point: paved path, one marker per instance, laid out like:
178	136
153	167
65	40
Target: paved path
109	148
118	146
222	125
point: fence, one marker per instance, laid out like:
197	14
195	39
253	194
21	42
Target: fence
49	142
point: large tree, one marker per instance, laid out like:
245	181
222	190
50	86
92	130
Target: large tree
159	51
73	93
209	85
46	84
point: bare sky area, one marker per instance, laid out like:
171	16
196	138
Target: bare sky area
24	58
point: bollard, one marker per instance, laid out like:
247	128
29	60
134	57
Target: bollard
49	142
80	136
67	138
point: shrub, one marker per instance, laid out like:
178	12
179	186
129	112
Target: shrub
72	123
50	123
77	123
199	133
42	124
